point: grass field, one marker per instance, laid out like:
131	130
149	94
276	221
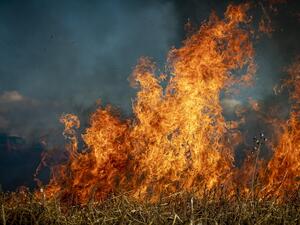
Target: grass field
181	208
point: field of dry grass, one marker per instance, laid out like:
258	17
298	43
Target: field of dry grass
180	208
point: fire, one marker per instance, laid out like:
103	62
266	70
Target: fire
178	138
283	171
180	134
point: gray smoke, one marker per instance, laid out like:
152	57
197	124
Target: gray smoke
64	55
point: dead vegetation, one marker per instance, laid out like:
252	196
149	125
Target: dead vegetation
182	208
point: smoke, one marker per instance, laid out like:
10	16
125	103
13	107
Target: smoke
64	55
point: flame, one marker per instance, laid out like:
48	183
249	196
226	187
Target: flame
283	170
178	139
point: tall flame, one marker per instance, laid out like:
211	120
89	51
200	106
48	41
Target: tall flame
179	133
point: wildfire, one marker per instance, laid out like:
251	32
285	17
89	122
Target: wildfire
178	138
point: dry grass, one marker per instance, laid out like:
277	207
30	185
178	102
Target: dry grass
181	208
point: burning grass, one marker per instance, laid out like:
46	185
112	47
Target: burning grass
179	208
174	158
178	138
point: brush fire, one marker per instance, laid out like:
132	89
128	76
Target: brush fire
179	138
